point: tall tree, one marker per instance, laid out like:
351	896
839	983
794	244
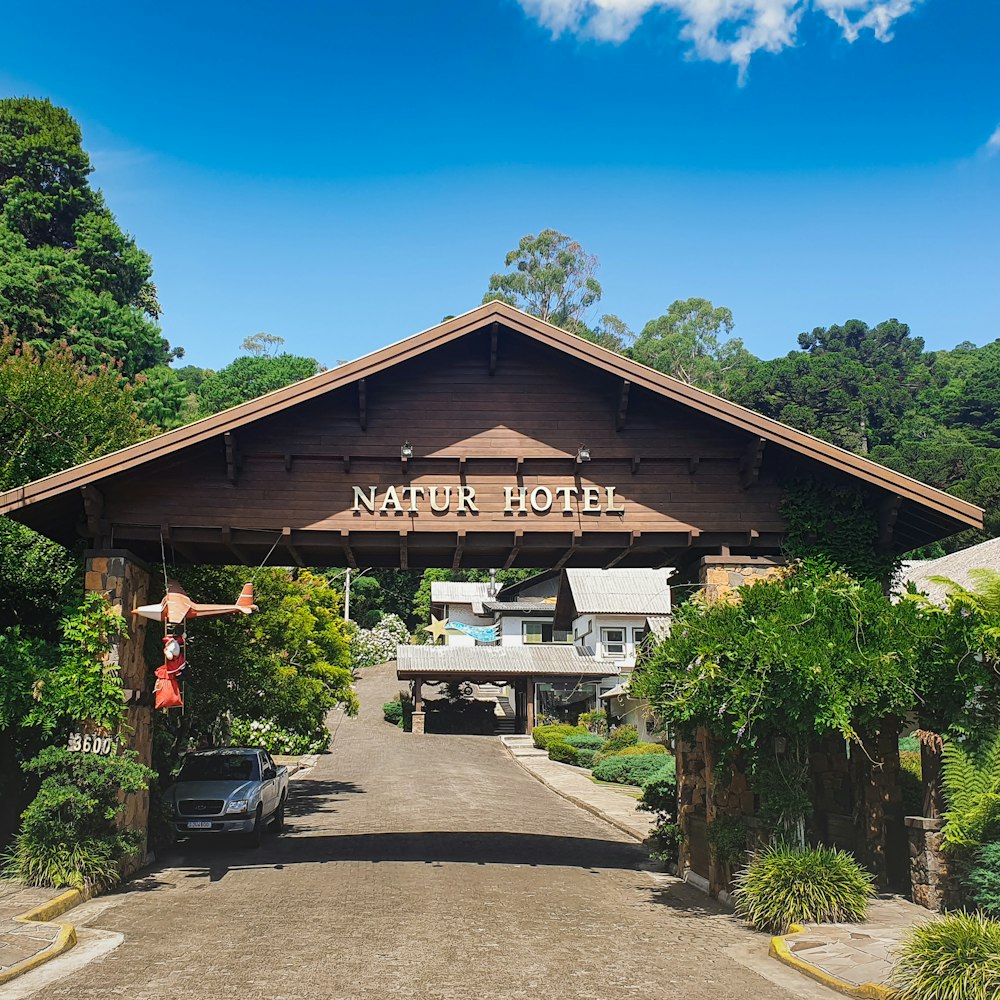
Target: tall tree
691	342
551	277
67	271
251	376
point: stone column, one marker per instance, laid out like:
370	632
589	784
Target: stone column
417	718
127	582
932	878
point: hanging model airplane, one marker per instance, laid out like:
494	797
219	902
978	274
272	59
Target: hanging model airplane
176	607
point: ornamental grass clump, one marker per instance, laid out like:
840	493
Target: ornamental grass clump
954	958
785	885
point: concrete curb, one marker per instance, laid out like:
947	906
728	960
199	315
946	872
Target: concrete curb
46	914
590	807
866	991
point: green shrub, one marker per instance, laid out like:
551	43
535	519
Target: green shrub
954	958
728	836
562	752
273	738
596	721
621	737
632	770
585	757
789	885
909	744
911	780
639	749
392	711
983	879
659	791
589	741
541	735
68	835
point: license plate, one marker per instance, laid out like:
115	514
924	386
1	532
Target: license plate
200	824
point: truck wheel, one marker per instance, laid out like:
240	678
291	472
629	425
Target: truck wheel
278	822
254	837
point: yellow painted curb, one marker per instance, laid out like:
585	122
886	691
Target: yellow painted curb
866	991
45	914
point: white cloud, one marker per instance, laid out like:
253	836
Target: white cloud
720	30
992	146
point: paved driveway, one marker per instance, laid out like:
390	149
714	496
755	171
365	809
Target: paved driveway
426	867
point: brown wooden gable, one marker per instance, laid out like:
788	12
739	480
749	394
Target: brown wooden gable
492	400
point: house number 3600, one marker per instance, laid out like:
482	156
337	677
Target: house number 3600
85	743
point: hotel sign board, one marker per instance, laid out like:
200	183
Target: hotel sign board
462	499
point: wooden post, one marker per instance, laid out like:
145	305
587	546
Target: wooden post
418	717
530	703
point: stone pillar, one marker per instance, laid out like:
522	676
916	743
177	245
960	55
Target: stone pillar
417	717
690	793
932	877
721	576
127	583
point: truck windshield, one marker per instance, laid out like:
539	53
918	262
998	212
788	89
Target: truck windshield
219	767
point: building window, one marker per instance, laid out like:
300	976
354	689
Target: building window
537	632
638	634
613	641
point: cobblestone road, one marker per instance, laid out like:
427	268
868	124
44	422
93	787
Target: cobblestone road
432	868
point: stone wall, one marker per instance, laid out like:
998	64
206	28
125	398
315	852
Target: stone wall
126	581
721	576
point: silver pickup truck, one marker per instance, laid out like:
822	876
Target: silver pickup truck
232	790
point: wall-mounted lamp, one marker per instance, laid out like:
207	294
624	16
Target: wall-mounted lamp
582	454
406	451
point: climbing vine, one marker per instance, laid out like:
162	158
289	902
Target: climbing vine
836	524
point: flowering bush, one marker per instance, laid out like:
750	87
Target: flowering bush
370	646
269	735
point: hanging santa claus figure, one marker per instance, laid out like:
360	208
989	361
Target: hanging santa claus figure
168	676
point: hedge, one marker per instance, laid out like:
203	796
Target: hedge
634	769
562	752
622	736
585	757
590	741
542	735
640	749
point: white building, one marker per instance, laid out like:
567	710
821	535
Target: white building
566	642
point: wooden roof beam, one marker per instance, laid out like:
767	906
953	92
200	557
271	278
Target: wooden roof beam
634	538
345	544
227	540
286	538
623	405
456	562
515	549
93	508
404	551
166	533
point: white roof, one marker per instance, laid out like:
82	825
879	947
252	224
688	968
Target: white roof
459	592
500	662
955	566
620	591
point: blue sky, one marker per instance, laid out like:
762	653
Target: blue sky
345	174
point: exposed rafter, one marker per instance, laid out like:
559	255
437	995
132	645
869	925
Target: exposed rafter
404	550
634	539
515	549
345	544
456	561
569	553
750	462
623	405
93	508
286	538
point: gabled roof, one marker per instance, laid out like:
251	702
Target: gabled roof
500	662
612	592
459	592
955	566
943	511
